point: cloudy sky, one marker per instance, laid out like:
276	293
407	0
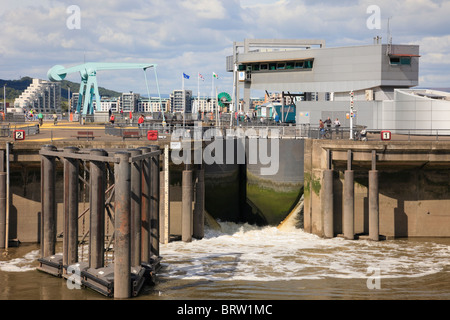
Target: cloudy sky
195	36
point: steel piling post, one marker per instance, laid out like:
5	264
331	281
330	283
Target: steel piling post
136	197
154	203
2	210
48	202
122	258
70	236
145	207
97	185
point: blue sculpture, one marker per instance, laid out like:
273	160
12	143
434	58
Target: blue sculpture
89	87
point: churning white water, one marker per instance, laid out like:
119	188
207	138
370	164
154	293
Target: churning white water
249	253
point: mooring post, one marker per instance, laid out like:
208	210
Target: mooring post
327	199
136	197
349	200
154	204
199	209
186	205
145	206
164	200
374	221
97	185
122	248
70	224
48	202
2	209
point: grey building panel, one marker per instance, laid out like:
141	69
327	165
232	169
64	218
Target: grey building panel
335	69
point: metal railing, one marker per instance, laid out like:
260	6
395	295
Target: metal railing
6	130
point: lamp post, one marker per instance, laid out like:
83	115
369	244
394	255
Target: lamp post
4	98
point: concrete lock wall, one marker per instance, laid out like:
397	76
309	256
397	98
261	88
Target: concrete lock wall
413	198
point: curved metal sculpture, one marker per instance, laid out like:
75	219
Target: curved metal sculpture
224	99
88	86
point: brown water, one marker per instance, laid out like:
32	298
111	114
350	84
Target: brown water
245	262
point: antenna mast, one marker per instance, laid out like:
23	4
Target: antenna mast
389	38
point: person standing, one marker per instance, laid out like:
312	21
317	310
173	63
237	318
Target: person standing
337	125
40	118
141	121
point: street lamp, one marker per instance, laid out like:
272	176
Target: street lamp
4	98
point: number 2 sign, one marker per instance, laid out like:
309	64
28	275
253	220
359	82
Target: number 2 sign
19	135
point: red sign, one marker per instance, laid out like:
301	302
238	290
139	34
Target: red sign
386	135
152	135
19	134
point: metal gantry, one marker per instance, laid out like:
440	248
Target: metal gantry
135	216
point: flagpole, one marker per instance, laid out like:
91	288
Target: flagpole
198	93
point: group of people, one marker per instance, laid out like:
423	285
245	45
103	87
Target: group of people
327	123
141	119
31	115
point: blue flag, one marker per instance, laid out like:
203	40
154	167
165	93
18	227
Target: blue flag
185	76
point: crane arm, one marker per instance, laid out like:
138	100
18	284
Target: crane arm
58	73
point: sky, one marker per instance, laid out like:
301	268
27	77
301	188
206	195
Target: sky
195	36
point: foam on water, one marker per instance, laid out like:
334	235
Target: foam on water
244	252
23	264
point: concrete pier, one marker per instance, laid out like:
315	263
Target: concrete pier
327	204
186	211
199	209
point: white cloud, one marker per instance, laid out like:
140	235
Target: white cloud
197	35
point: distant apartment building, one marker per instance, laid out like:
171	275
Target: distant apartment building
146	105
106	104
129	102
41	96
204	105
181	101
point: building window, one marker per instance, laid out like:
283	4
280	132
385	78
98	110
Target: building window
299	65
255	67
281	66
396	61
264	66
272	66
308	64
